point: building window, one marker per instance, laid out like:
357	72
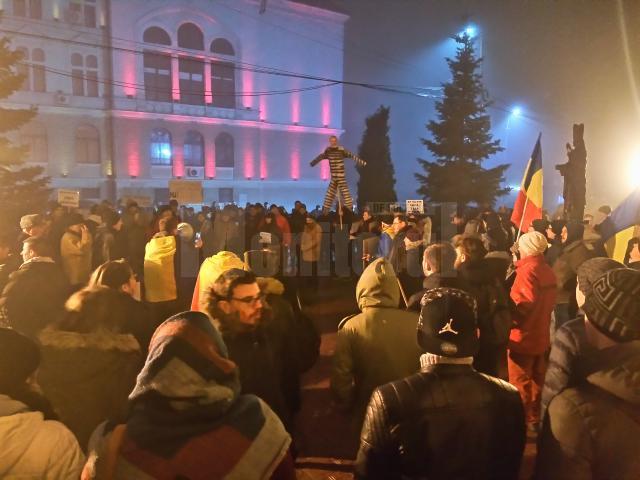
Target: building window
34	136
223	84
191	81
84	75
225	151
156	35
193	151
33	71
222	46
157	76
83	12
28	8
160	147
225	195
190	36
87	145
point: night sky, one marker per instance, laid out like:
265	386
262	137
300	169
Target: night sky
562	62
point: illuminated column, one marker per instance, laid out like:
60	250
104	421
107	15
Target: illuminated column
175	78
208	97
209	158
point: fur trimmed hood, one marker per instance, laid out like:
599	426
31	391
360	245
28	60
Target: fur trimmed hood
270	286
99	340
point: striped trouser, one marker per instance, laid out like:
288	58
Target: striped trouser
338	183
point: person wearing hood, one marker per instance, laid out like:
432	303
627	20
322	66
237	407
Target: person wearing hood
375	346
554	237
565	368
310	248
75	251
447	421
89	365
257	342
35	293
161	269
533	295
494	319
200	428
34	443
210	271
591	429
575	251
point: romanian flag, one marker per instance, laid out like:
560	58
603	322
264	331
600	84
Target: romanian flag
528	206
618	228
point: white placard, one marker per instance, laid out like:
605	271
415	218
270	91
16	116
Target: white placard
265	237
415	206
69	198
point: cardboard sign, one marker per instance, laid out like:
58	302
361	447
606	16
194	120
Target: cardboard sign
69	198
415	206
186	191
265	237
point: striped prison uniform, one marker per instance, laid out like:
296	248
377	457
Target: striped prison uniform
336	156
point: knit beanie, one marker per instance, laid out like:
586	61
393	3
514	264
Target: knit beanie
19	358
533	243
593	269
614	304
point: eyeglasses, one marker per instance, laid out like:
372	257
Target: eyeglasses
253	301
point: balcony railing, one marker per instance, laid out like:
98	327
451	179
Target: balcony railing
141	105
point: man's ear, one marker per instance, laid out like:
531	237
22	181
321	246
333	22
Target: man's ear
224	306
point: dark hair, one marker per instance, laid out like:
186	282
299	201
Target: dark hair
171	225
94	308
441	257
113	274
472	248
40	246
333	136
402	218
224	286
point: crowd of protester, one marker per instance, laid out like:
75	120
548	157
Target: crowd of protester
169	343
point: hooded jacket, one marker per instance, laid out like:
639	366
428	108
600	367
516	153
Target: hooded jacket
591	431
534	296
88	376
33	447
76	258
210	271
376	346
159	269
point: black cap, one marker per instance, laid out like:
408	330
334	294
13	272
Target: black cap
448	323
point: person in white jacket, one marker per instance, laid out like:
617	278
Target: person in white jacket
34	444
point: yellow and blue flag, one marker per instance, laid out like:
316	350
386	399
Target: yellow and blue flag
618	228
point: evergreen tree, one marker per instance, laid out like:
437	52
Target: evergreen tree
377	180
22	189
461	139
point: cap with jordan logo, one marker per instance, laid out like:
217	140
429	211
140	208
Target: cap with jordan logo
448	323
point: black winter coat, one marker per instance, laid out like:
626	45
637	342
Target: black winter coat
448	421
34	297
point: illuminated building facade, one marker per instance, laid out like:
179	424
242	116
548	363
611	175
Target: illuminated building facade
132	94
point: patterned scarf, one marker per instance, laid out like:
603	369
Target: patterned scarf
188	418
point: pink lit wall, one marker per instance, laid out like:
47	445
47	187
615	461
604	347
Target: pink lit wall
247	87
263	162
325	100
129	73
295	163
178	159
295	107
248	162
210	158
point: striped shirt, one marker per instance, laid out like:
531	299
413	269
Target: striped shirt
336	156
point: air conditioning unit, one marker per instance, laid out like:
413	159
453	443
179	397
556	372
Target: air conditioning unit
194	172
73	16
61	98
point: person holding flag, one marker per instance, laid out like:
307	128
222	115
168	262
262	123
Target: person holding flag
618	228
528	206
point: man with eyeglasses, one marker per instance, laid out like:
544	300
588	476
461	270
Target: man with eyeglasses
261	350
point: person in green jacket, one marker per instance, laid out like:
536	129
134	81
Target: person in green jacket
376	346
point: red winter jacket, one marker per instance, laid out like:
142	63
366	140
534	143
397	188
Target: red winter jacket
534	296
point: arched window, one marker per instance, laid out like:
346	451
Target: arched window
160	147
87	145
225	156
84	75
223	84
32	67
193	152
157	76
190	36
222	46
28	8
156	35
191	81
34	136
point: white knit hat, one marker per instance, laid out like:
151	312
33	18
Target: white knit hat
533	243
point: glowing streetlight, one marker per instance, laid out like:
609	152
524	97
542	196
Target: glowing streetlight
516	111
471	30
